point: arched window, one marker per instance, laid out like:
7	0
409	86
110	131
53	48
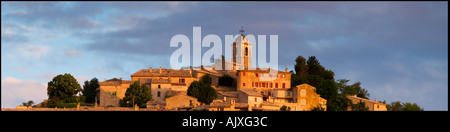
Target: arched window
246	51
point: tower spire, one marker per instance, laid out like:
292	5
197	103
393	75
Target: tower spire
242	29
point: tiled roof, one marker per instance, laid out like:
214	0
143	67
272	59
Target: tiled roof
114	82
162	73
262	70
250	92
362	99
219	104
268	104
229	94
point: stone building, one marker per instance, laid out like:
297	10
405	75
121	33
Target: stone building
181	101
112	90
372	105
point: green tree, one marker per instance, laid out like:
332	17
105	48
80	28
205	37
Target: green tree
328	75
206	79
136	94
226	80
301	68
314	80
394	106
64	88
29	103
354	89
411	107
295	80
361	106
285	108
314	67
318	108
204	93
89	88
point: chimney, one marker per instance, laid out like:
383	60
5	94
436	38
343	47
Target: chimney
223	64
160	70
376	101
151	70
287	70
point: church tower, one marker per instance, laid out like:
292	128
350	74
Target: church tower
242	52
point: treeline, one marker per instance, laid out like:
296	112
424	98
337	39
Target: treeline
335	91
65	91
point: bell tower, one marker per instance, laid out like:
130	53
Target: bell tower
242	52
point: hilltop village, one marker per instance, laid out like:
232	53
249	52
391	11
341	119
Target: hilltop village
253	89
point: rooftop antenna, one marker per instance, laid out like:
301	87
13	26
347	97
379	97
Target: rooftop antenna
242	29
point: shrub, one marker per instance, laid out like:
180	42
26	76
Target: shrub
226	80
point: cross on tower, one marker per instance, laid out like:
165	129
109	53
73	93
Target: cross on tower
242	30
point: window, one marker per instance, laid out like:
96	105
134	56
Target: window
190	102
270	85
253	84
159	86
263	85
276	85
181	80
284	76
303	102
302	93
378	106
113	93
243	84
256	100
256	74
159	94
243	73
246	51
262	92
284	85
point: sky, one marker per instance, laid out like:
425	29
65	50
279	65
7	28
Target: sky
397	50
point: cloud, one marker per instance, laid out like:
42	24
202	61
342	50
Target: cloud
73	53
15	91
31	50
385	45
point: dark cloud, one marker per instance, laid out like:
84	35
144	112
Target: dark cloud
385	45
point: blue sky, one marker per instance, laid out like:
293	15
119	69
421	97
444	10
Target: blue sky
397	50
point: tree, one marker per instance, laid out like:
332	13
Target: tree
301	69
394	106
204	93
206	79
314	67
89	88
354	89
64	88
399	106
318	108
226	80
285	108
295	80
361	106
136	94
411	107
29	103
